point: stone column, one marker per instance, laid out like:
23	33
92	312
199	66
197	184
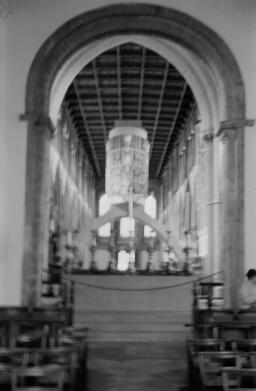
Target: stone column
37	208
232	209
208	137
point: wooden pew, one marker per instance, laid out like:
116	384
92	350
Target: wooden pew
211	365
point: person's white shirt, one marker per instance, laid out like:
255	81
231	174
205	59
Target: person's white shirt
248	295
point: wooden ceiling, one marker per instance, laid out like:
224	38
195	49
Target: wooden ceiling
129	82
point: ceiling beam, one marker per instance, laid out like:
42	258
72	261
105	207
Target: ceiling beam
150	68
97	85
86	127
119	81
158	111
159	168
142	71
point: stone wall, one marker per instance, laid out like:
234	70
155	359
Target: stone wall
184	206
72	193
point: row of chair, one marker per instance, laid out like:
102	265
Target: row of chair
218	345
214	370
239	329
38	349
68	358
20	326
57	366
222	364
222	353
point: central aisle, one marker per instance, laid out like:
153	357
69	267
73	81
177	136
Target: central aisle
136	330
120	366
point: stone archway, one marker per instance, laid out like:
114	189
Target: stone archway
223	111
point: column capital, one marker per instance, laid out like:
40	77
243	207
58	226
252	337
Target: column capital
39	120
228	129
208	137
227	134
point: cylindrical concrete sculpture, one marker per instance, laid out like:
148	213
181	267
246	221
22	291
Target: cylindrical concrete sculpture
127	161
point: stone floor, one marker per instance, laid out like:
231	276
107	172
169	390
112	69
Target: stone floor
136	367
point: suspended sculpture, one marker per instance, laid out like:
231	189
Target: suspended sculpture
127	162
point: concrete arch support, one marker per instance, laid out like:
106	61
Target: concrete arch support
118	211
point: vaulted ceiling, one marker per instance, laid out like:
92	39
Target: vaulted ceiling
129	82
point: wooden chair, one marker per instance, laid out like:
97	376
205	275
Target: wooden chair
76	337
211	365
8	360
249	359
4	335
31	335
247	348
66	358
197	346
6	365
207	345
194	348
38	378
238	379
244	345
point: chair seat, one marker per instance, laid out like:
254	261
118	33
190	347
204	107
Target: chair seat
5	368
38	371
66	340
27	339
42	377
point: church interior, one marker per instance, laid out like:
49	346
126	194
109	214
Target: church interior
127	200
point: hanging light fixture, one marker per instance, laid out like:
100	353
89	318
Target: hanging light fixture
127	162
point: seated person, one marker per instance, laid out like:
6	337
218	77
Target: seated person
248	291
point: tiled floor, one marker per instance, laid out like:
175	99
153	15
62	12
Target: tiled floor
136	367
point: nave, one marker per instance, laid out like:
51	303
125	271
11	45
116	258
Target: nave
127	205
